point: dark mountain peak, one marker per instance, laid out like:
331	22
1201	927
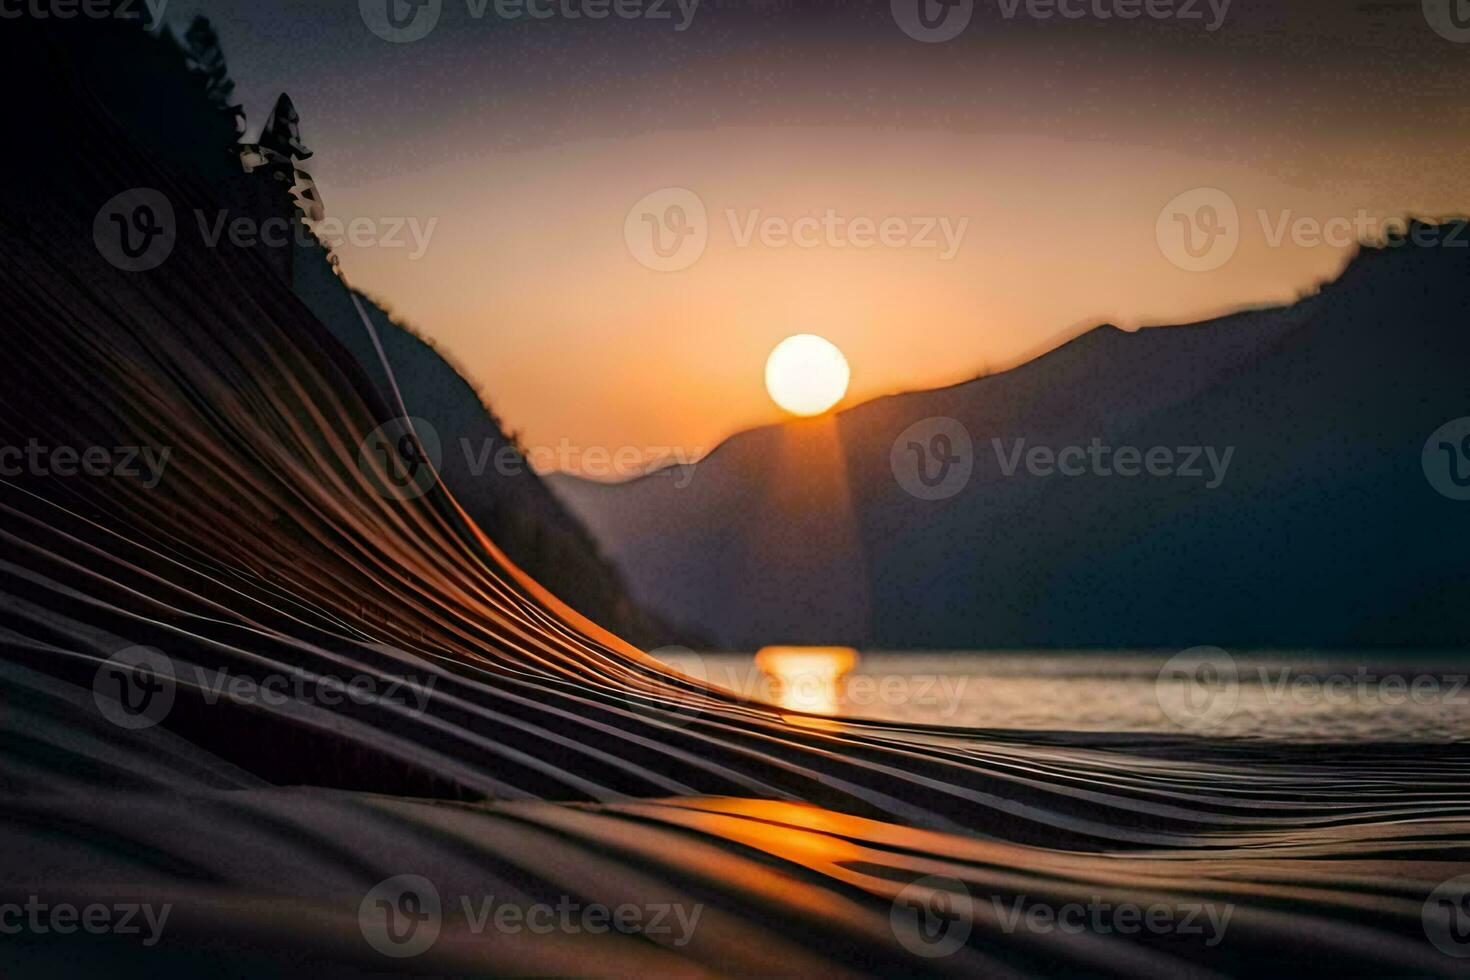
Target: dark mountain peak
1291	507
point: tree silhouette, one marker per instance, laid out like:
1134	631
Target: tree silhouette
206	58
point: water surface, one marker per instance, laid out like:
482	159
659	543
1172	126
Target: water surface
1302	696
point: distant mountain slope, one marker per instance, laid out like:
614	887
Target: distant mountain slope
1323	532
510	502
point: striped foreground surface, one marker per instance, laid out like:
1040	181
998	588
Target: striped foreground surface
518	753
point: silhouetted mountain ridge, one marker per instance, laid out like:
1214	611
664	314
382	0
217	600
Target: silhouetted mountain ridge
1323	531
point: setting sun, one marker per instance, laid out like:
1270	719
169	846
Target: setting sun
806	375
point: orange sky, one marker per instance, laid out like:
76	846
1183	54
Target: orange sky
1056	142
527	279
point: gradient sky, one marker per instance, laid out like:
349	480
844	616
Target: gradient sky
1058	141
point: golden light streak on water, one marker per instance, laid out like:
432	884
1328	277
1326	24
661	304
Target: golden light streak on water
806	679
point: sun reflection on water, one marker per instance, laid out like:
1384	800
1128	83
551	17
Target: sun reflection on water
806	679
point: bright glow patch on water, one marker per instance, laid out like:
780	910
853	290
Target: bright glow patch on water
1280	696
805	679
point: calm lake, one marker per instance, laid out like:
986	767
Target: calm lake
1311	697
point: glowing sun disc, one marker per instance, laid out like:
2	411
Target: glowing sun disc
806	375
